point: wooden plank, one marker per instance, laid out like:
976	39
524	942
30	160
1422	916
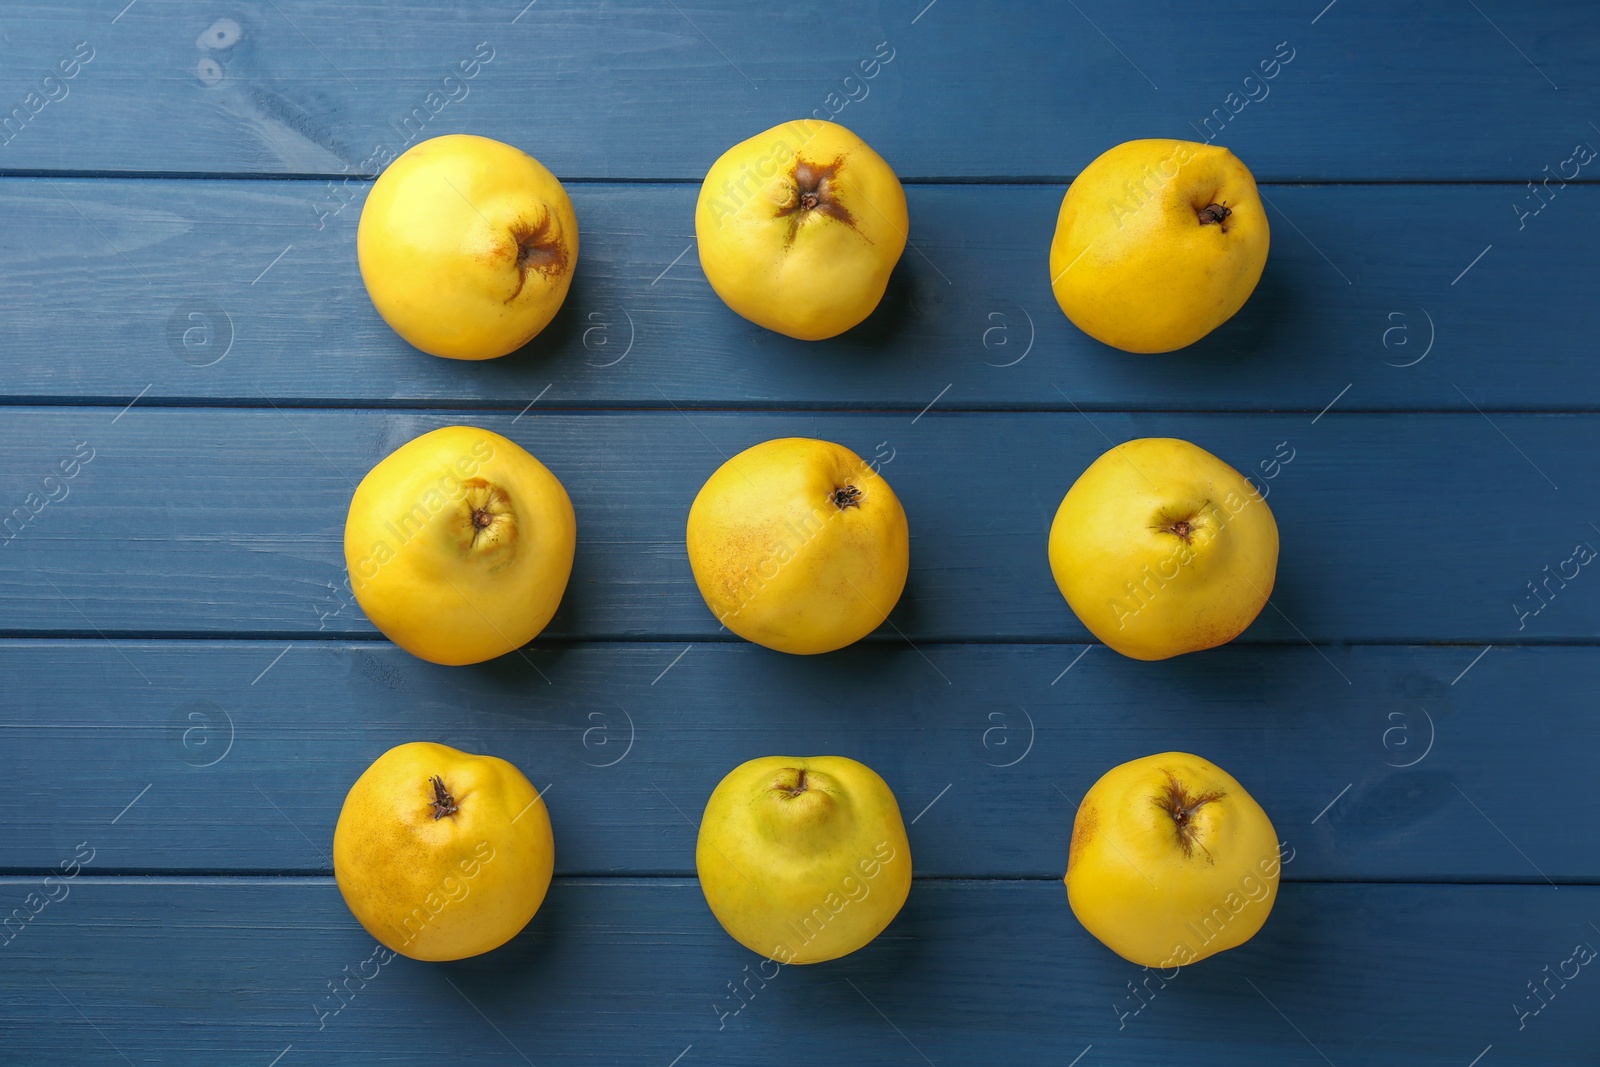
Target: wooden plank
1419	528
241	292
237	756
188	689
971	972
639	89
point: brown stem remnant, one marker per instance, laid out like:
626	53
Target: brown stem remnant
539	248
814	193
442	803
1183	525
846	496
1214	213
490	516
1181	805
798	787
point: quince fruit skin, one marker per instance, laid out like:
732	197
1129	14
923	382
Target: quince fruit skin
441	854
1171	861
467	246
1161	548
459	545
799	545
1158	243
799	228
803	859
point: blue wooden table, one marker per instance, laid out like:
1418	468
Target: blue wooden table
189	688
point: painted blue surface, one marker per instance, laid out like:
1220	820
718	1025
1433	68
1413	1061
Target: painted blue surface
1361	296
186	691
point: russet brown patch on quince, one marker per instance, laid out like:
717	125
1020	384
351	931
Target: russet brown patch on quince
1083	828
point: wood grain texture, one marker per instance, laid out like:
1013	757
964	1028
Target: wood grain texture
637	89
188	689
237	756
248	292
971	972
1411	528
